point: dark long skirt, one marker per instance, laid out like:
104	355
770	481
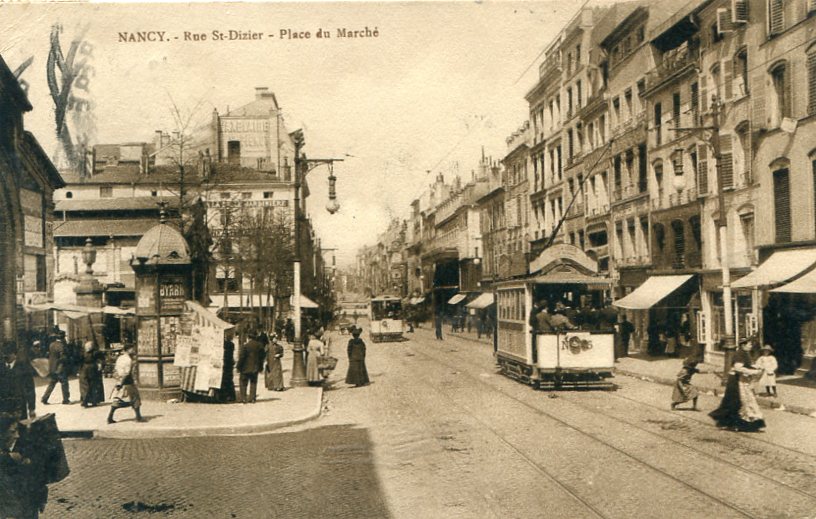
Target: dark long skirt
728	413
357	373
91	389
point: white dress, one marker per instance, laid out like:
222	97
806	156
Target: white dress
769	365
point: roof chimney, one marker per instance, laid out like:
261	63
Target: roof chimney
260	92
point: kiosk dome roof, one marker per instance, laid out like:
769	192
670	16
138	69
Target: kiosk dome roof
163	245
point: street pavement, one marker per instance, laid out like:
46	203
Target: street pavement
796	393
272	410
439	433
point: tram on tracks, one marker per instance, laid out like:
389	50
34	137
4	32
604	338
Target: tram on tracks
385	314
573	343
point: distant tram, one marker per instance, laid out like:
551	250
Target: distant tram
385	313
576	348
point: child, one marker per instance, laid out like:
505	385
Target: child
683	390
768	363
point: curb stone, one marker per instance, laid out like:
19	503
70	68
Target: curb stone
188	432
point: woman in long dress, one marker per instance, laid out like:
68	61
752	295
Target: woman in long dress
90	377
274	370
313	350
739	409
357	373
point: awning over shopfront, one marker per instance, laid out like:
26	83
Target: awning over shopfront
780	267
73	311
416	300
651	292
804	285
458	298
481	302
236	301
305	302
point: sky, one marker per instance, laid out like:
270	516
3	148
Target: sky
440	81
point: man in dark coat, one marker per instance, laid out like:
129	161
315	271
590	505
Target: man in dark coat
250	363
57	369
17	397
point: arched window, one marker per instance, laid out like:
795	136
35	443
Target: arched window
741	72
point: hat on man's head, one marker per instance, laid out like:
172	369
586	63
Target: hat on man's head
767	347
356	330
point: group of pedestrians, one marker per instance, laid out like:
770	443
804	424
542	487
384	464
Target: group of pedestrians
739	409
260	353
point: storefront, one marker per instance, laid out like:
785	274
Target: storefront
667	304
783	287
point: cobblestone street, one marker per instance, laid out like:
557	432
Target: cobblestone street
439	434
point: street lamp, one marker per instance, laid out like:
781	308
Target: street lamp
302	167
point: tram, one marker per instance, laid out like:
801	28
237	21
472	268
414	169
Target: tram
385	314
576	349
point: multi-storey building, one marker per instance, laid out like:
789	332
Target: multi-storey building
27	182
230	166
776	63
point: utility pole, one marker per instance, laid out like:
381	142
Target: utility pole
728	342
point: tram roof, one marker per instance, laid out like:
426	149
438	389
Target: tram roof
386	298
559	278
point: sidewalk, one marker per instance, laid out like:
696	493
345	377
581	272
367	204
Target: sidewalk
272	410
796	394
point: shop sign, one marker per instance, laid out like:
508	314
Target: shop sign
172	295
563	251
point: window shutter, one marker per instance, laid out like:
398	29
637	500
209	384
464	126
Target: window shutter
702	169
726	162
701	327
758	116
811	6
811	72
728	78
703	94
776	16
739	9
782	208
724	23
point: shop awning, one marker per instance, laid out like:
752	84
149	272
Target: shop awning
458	298
416	300
236	301
780	267
651	292
804	285
305	302
481	302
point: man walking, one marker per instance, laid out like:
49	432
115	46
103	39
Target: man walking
57	368
250	363
127	394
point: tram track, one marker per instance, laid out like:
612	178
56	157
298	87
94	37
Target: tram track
674	414
598	439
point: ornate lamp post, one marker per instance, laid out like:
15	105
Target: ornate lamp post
302	167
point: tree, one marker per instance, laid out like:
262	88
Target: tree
200	242
266	252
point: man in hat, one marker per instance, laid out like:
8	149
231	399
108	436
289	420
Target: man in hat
57	368
250	363
17	397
